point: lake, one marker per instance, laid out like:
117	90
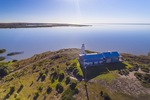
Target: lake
134	39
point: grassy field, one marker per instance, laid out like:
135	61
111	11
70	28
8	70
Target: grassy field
37	72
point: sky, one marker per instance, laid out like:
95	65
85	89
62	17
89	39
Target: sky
75	11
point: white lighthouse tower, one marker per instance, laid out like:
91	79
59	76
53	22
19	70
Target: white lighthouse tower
83	49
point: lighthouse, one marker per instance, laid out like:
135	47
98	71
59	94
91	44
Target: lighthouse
83	49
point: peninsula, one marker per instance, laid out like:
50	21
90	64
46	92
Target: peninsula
36	25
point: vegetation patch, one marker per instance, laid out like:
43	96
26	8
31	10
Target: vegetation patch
143	78
70	91
107	76
2	58
2	51
11	91
74	69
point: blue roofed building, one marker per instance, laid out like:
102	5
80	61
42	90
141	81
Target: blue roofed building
111	57
93	59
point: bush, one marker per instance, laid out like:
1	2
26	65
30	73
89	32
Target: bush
36	95
73	85
20	88
43	77
79	75
67	80
138	75
68	94
74	64
53	76
145	69
106	96
12	89
76	91
59	88
49	89
40	88
75	71
61	76
3	71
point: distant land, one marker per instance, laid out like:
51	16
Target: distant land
14	53
122	23
36	25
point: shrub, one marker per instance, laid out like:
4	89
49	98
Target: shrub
68	94
74	64
73	85
36	95
67	80
54	75
145	69
40	88
75	71
76	91
79	75
67	63
106	96
20	88
49	89
138	75
43	77
3	71
12	89
59	88
61	76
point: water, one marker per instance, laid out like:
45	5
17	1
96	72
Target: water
134	39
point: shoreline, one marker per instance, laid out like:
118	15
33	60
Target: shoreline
38	25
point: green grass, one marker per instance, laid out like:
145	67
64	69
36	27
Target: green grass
67	94
30	75
127	65
78	66
107	76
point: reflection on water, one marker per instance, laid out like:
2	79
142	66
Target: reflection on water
133	39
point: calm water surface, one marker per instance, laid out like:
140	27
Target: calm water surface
133	39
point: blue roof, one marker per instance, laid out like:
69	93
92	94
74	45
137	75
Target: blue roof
100	56
92	57
110	54
106	54
116	54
